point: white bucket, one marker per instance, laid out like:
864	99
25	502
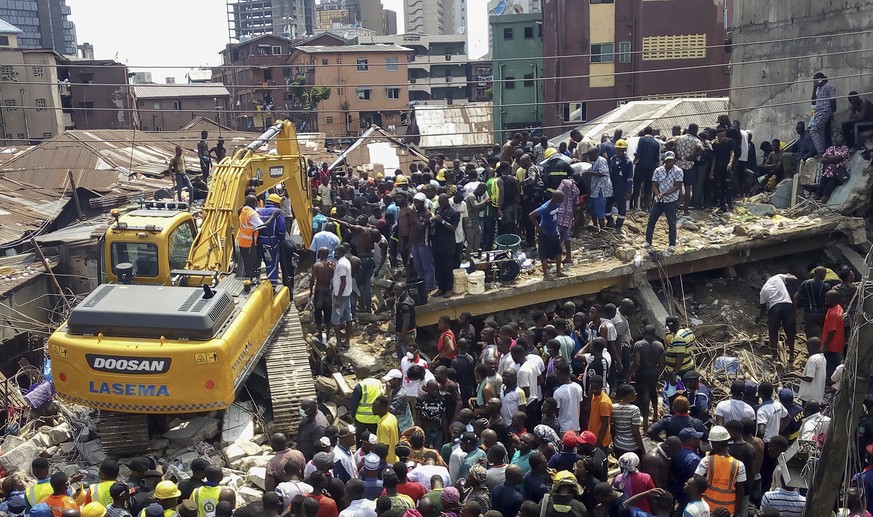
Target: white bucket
460	281
476	282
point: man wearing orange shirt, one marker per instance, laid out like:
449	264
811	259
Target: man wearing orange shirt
59	500
600	412
833	337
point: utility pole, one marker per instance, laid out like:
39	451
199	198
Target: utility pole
840	441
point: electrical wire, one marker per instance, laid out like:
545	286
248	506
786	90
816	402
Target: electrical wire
564	127
733	45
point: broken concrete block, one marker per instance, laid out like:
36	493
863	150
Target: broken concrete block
759	209
42	440
12	441
251	449
92	452
688	225
257	476
61	433
234	452
51	451
238	424
741	230
67	447
260	438
359	358
193	431
625	253
248	462
158	444
249	494
20	457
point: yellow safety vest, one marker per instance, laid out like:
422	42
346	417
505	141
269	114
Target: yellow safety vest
100	493
247	233
36	493
370	390
722	477
206	498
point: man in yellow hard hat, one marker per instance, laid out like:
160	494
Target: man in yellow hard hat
167	495
93	509
271	235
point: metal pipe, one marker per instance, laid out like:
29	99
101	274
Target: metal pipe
266	136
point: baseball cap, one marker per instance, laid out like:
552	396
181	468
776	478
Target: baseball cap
392	374
688	433
16	505
719	434
154	510
669	155
419	197
371	461
469	437
323	460
570	439
786	394
324	441
587	437
346	431
691	375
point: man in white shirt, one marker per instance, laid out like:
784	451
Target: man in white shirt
779	307
814	423
424	472
812	382
569	397
772	416
342	296
359	506
734	408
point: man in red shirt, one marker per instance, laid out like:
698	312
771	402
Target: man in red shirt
326	506
413	489
833	338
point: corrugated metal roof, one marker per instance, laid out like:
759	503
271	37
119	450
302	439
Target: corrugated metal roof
469	125
19	270
353	48
662	115
172	91
8	28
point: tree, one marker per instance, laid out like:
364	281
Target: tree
306	98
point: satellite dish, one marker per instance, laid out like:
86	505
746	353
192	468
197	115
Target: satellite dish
500	8
517	9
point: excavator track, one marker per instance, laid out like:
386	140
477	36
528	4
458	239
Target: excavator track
122	434
286	356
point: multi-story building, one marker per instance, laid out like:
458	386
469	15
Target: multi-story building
603	53
169	107
30	97
389	22
517	53
258	78
436	16
368	85
289	18
438	68
9	35
44	24
344	13
96	94
480	79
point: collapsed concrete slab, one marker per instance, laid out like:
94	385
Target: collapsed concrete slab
237	424
193	431
19	458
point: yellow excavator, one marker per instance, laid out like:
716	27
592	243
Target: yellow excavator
172	329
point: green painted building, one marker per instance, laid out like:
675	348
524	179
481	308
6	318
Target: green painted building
517	51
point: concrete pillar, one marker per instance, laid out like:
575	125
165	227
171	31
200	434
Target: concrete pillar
651	307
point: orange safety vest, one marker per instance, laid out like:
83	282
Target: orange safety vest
247	233
721	474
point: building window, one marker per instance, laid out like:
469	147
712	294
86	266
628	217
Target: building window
363	65
363	94
325	62
539	30
38	71
509	84
4	41
177	105
156	105
685	46
392	93
277	50
507	33
7	73
328	120
10	104
624	52
41	104
528	33
602	53
391	64
575	112
602	1
46	135
529	80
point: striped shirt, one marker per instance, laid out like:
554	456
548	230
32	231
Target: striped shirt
789	502
680	344
624	418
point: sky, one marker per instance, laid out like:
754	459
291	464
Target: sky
188	33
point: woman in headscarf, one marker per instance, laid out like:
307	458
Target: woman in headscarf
451	501
631	481
548	442
475	489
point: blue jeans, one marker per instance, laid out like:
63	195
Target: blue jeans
422	260
343	313
669	210
182	180
368	267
